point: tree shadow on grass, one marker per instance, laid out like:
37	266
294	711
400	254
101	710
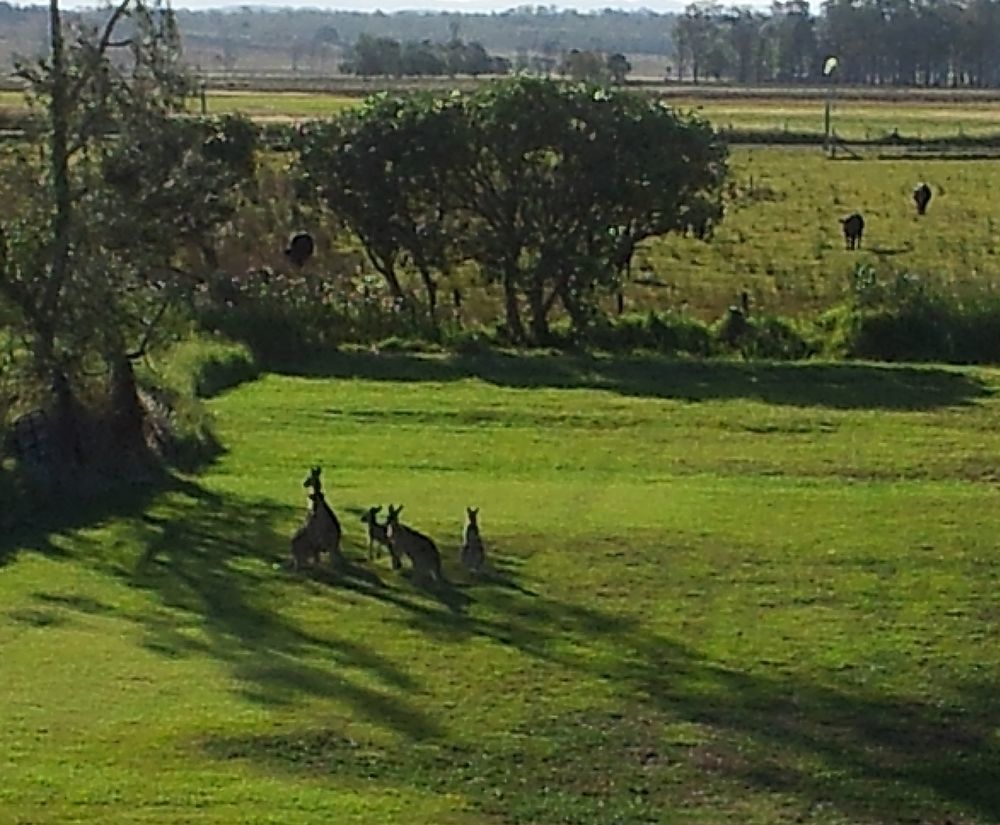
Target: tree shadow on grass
863	755
209	569
53	521
833	385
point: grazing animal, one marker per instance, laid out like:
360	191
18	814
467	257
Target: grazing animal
406	541
377	534
327	527
854	228
473	552
922	197
300	248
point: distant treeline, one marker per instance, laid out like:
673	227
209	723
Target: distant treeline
877	42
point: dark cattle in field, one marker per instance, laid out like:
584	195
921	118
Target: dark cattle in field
300	248
854	228
922	197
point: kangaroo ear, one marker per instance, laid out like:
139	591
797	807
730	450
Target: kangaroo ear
376	509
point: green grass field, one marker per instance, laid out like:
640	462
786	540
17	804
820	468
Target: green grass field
780	238
725	593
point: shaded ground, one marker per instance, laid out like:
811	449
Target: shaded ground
833	385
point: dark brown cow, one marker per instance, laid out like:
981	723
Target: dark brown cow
922	197
300	248
854	228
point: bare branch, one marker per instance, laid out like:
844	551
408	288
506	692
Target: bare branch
102	46
151	325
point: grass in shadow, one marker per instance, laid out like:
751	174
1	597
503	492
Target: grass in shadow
683	721
837	386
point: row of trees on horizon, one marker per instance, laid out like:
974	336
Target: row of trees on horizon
878	42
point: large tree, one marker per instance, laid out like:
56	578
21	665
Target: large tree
546	187
97	248
383	168
561	182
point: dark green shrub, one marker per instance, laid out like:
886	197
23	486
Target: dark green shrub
904	318
664	332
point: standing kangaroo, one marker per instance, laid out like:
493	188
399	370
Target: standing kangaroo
473	553
377	534
406	541
326	527
310	539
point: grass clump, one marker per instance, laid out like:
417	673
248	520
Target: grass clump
202	367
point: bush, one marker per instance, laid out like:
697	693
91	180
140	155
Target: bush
664	332
768	337
903	318
172	390
202	367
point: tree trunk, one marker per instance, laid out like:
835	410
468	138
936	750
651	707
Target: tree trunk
515	327
59	104
387	269
430	287
127	414
540	334
69	447
574	308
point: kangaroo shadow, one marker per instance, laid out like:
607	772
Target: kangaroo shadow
805	384
208	564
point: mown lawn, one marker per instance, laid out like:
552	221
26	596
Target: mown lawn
723	593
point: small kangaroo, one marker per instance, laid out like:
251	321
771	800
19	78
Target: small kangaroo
377	534
406	541
327	528
473	553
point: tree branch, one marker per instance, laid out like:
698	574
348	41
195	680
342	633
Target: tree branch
136	354
102	46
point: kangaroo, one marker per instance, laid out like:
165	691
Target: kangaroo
406	541
377	534
326	528
308	541
473	553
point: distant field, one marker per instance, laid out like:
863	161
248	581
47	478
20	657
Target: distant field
278	105
854	117
780	238
852	120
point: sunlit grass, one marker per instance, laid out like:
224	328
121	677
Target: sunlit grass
726	593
